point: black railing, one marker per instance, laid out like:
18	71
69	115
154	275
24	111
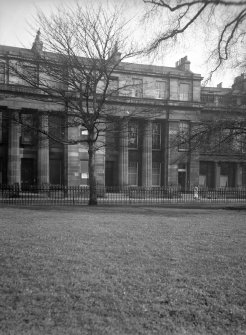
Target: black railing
77	195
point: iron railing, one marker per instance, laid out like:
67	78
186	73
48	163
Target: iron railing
77	195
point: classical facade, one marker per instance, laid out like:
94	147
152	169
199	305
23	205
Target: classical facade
142	156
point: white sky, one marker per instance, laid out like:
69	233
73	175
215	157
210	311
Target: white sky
16	15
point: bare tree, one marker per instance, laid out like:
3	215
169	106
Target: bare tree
225	18
224	23
214	135
73	65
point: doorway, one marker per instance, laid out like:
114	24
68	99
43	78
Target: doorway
110	173
182	176
28	173
56	175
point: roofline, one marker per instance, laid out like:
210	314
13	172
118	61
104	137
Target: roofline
149	69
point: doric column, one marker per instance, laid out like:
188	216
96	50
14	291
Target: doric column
239	175
1	127
193	159
217	175
123	155
173	153
147	155
43	151
14	162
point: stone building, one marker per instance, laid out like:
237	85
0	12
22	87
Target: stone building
142	156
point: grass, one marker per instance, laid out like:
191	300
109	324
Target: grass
122	271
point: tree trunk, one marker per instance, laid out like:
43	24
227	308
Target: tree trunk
92	177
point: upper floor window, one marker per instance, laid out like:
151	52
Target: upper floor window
27	129
133	135
84	132
161	89
56	130
184	92
156	135
207	98
184	130
137	88
113	86
133	173
4	121
243	143
156	173
29	76
2	73
238	142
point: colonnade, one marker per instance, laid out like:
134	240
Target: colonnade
15	152
146	155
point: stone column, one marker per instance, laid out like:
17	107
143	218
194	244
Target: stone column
194	165
217	175
1	127
147	155
239	175
43	151
14	161
123	155
173	153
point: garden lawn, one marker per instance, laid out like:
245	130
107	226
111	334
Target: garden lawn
122	271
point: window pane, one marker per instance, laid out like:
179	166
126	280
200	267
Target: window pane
156	135
138	88
156	174
84	172
56	130
184	135
161	88
113	87
26	129
133	173
4	126
184	93
133	135
2	73
30	74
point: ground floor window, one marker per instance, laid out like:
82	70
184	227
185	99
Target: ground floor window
227	174
84	172
133	173
56	172
156	173
1	171
220	174
207	174
182	176
28	172
244	174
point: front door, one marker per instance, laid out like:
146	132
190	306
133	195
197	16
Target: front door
110	173
56	175
27	172
182	180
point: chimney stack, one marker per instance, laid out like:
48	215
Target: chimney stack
183	64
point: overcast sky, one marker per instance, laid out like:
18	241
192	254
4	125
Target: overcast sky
16	16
